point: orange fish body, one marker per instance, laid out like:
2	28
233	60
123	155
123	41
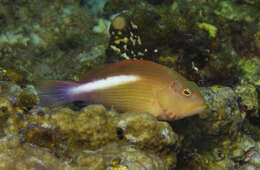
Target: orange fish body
131	86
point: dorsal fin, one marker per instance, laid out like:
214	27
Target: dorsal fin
124	67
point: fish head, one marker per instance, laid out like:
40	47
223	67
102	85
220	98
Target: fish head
180	99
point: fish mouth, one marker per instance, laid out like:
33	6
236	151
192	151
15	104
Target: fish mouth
197	107
201	108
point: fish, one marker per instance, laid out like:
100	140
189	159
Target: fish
130	86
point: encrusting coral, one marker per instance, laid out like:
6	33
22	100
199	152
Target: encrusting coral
66	132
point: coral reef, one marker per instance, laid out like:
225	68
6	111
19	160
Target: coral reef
66	133
38	35
214	43
15	154
115	156
224	117
247	93
18	155
218	141
250	69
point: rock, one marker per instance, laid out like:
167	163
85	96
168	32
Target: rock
223	117
248	99
114	156
15	154
66	132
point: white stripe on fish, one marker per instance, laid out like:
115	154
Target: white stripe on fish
104	83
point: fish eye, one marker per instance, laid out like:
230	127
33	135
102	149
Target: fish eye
186	92
177	87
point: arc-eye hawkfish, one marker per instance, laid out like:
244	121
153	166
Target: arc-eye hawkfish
130	86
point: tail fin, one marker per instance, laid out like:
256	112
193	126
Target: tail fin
55	92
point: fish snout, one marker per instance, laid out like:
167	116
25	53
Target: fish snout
197	106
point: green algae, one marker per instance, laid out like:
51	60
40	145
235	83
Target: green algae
251	69
249	99
212	30
231	11
43	34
